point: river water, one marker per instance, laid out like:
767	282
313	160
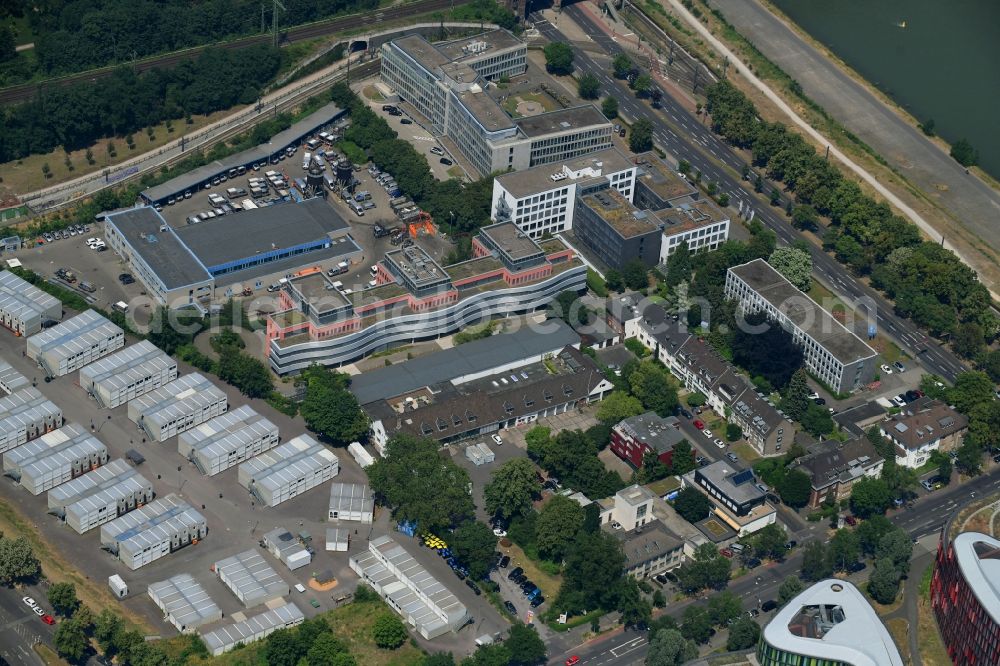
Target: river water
938	59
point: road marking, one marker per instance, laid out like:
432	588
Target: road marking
15	623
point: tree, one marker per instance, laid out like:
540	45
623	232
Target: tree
897	547
8	44
70	641
775	197
609	107
558	523
617	407
765	349
970	458
421	486
108	627
844	550
883	586
669	647
282	648
927	127
964	153
733	432
796	401
17	561
815	562
62	596
558	58
682	458
593	574
679	264
641	138
642	85
795	488
654	387
743	634
635	274
511	488
870	497
635	610
489	655
871	531
724	607
588	86
795	265
945	467
525	645
439	659
769	542
817	421
789	589
388	632
805	217
329	409
46	170
621	65
707	569
328	650
970	389
967	340
697	624
474	543
692	505
659	601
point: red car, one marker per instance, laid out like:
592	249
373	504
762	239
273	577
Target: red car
572	660
48	619
851	520
699	425
725	552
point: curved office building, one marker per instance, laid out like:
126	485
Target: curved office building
417	299
965	595
829	624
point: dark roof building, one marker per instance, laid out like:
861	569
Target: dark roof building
923	426
834	468
633	437
650	549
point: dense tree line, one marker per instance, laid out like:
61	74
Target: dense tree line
76	116
571	456
928	283
83	34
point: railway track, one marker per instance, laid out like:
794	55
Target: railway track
24	92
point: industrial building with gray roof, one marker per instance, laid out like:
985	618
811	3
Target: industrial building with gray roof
154	531
181	404
251	578
128	374
184	602
288	470
10	379
100	496
54	458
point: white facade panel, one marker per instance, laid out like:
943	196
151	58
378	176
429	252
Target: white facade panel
251	578
24	307
100	496
252	629
184	602
10	379
155	530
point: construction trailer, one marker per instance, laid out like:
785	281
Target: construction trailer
128	374
285	547
228	440
76	342
100	496
252	629
288	470
118	586
24	307
184	602
10	379
361	456
54	458
351	501
178	406
251	578
486	452
154	531
26	415
338	539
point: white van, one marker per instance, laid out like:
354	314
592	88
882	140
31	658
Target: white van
120	306
306	159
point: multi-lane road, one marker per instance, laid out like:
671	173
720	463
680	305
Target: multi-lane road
681	133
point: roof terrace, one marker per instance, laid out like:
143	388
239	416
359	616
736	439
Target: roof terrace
623	217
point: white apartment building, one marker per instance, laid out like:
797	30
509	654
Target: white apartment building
701	224
542	200
831	352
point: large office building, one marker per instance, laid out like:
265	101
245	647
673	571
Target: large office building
829	624
416	298
831	352
615	231
194	264
24	307
965	595
446	83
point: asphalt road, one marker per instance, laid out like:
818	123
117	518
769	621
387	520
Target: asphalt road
682	134
20	628
968	198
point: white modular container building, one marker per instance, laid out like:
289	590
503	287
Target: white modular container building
76	342
184	602
228	440
24	307
154	531
361	456
473	454
288	470
338	539
100	496
181	404
251	578
118	586
26	415
351	501
252	629
54	458
128	374
10	379
280	543
486	452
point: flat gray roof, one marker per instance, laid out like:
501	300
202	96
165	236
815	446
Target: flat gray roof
721	473
510	240
478	46
421	51
538	179
562	120
804	312
473	357
485	109
185	601
163	251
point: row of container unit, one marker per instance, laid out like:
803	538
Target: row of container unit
288	470
25	415
286	548
479	454
154	531
128	374
10	379
184	602
228	440
255	628
76	342
178	406
24	308
251	578
54	458
351	501
100	496
338	539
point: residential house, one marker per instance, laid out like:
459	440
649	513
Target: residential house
922	427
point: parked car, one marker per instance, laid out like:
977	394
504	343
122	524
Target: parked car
719	443
856	567
499	533
769	605
899	400
436	151
725	552
913	394
707	433
851	520
405	121
472	586
48	619
686	414
791	544
519	579
496	439
573	661
510	608
819	401
732	457
504	561
445	161
753	563
886	369
514	573
537	601
701	461
699	425
899	367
